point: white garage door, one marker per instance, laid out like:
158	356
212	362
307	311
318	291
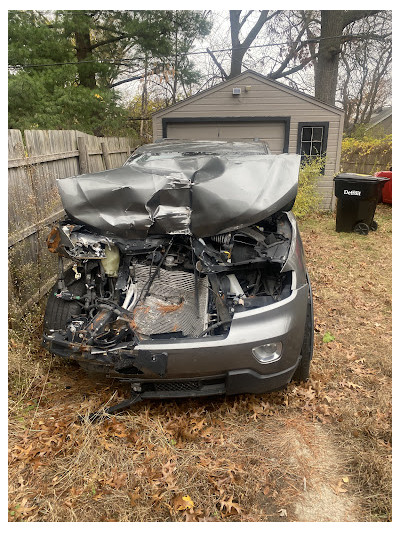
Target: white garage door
273	133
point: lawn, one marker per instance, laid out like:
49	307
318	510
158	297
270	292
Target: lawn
319	451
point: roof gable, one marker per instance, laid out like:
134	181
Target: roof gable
259	77
377	118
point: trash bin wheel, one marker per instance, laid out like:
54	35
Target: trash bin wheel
361	228
374	225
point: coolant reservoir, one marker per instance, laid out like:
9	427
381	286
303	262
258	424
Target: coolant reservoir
111	261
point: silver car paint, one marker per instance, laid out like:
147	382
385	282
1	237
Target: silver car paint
282	321
200	195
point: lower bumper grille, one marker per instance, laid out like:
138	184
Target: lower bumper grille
174	386
183	389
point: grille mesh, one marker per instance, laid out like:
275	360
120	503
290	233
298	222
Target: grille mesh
177	386
170	306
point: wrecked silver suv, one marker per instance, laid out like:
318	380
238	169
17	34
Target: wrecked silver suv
188	277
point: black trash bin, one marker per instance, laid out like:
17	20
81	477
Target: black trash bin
357	196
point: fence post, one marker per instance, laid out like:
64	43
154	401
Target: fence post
83	155
106	155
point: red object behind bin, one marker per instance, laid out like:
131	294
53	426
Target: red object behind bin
387	188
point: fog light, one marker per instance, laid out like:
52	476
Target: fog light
268	353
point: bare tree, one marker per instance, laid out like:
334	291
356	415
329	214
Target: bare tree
313	39
364	71
331	40
239	48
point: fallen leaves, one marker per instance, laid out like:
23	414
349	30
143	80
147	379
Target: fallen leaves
134	496
21	510
147	461
168	473
117	480
228	507
339	489
182	503
350	385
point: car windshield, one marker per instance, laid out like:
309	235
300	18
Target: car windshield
177	151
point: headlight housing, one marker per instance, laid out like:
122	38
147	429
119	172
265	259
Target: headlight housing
268	353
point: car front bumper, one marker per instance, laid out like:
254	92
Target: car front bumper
209	365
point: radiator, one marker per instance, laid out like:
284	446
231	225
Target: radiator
170	305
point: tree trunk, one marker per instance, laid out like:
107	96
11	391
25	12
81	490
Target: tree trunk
175	67
143	110
236	63
326	73
332	25
86	71
240	48
237	50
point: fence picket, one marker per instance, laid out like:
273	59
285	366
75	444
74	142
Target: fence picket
34	202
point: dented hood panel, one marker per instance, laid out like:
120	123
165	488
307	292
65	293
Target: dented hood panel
200	194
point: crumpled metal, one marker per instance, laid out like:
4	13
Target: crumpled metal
182	192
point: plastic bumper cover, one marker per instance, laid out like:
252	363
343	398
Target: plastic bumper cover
228	359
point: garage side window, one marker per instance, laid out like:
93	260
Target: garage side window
312	139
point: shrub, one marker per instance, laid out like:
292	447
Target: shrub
366	154
308	199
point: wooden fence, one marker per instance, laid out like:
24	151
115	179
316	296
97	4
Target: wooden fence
35	160
366	156
367	165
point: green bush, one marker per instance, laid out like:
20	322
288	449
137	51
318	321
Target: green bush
308	199
366	154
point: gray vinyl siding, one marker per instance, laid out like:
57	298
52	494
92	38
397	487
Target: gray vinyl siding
266	98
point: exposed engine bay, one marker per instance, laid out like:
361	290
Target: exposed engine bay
167	287
182	272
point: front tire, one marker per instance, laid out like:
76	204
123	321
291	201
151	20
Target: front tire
302	372
59	311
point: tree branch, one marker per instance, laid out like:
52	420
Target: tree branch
365	36
109	41
262	19
112	85
218	64
292	53
356	14
277	74
245	18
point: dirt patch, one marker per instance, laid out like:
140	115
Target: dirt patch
320	451
325	497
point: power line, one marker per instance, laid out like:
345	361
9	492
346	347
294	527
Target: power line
198	52
111	61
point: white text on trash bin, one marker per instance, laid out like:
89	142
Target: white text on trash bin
352	193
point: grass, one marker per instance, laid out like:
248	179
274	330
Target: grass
319	451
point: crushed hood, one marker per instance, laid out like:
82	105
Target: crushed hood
182	192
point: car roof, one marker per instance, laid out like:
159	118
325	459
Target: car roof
195	146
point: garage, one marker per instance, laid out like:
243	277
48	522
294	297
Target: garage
273	132
251	106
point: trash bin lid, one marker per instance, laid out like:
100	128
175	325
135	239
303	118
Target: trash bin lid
350	176
384	173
